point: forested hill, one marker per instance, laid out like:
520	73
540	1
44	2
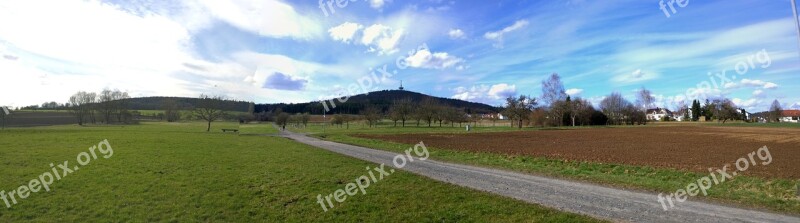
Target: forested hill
158	103
381	99
354	105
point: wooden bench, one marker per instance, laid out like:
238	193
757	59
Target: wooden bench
232	130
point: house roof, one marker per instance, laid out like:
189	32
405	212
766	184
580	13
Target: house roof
790	113
659	111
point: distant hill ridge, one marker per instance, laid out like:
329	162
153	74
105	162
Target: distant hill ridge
383	99
157	103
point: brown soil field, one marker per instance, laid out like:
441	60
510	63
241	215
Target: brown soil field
39	118
693	148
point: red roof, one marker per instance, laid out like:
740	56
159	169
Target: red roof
790	113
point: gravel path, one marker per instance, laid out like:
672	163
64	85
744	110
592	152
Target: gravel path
596	201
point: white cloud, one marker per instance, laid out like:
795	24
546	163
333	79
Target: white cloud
758	83
381	39
499	91
87	45
485	93
498	35
74	45
749	103
377	4
93	33
456	34
574	91
465	96
637	74
270	18
707	44
269	64
730	85
471	94
377	37
758	93
345	32
423	58
703	93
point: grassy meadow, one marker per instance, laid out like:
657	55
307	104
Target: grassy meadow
178	172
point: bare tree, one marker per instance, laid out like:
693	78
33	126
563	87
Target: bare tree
401	110
90	100
209	108
4	113
304	118
171	109
337	120
631	115
775	111
552	93
281	119
440	114
372	114
579	109
645	99
81	105
120	101
614	106
454	115
519	108
724	109
427	110
105	107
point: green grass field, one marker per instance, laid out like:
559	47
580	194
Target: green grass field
179	172
773	194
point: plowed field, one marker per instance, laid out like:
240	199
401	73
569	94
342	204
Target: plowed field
694	148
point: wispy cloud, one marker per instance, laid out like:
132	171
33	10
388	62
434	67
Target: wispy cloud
497	36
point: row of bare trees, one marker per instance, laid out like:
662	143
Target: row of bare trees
621	111
428	111
107	107
282	118
557	108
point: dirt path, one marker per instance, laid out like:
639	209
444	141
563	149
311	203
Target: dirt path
597	201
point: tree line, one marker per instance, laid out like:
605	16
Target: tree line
555	108
109	106
428	112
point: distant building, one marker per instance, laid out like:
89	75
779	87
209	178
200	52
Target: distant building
401	86
657	114
493	116
790	116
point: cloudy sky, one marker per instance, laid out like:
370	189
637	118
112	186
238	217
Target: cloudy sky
296	51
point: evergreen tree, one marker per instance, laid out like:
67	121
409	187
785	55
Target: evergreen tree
695	110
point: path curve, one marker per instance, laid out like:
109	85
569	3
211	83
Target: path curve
593	200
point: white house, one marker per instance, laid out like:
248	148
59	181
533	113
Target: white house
790	116
657	114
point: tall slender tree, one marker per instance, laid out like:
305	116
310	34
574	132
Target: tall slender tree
775	111
552	93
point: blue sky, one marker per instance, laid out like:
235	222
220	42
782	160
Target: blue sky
296	51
